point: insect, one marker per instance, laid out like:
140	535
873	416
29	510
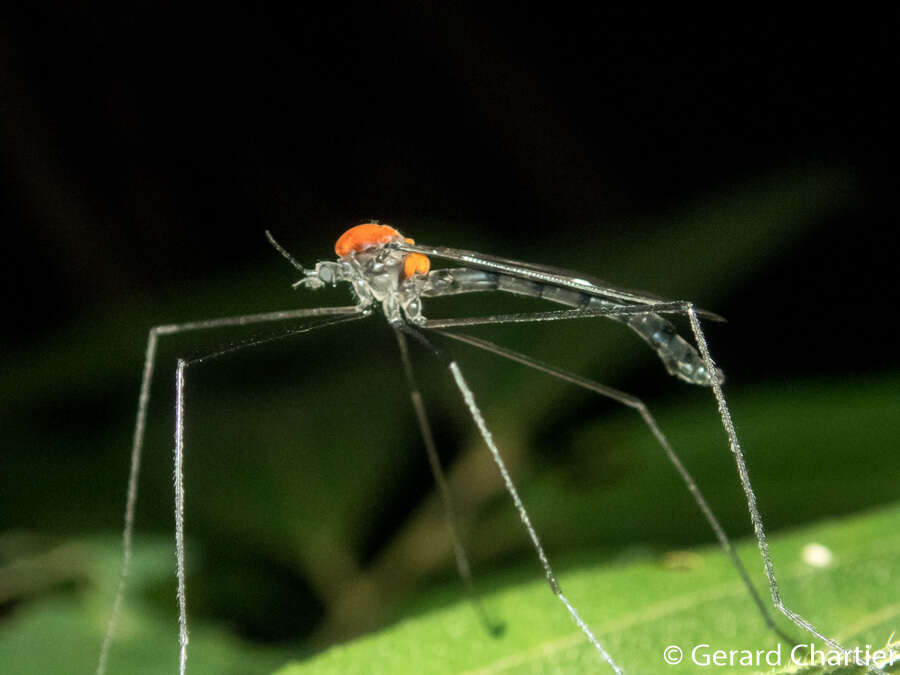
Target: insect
390	272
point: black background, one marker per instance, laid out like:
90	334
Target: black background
148	148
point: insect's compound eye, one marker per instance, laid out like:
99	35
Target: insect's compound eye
326	275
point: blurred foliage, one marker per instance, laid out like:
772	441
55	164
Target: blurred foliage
310	509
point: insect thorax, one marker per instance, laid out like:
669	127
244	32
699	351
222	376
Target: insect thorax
376	275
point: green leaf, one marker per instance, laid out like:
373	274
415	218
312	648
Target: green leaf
639	607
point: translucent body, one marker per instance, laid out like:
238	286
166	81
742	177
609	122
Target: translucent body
377	261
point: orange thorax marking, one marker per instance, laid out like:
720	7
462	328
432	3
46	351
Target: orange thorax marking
369	235
416	263
365	236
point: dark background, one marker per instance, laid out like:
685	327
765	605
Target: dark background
745	161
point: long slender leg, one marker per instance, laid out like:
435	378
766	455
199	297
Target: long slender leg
179	469
638	405
687	309
459	551
484	431
179	517
140	424
755	516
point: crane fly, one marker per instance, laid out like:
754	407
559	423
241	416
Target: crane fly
389	271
